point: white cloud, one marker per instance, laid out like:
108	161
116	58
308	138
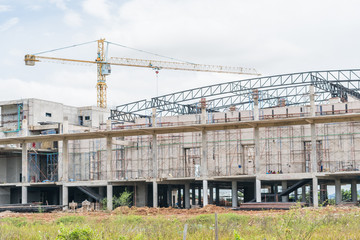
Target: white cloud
5	8
59	4
97	8
73	19
9	24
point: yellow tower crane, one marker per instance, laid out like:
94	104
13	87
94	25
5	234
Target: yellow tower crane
104	67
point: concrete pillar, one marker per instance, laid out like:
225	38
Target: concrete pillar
24	194
313	149
234	194
338	195
65	197
169	200
204	170
187	195
65	127
24	163
312	101
354	197
65	160
155	194
256	104
303	194
205	197
199	196
211	200
179	198
217	192
257	150
155	170
153	117
109	158
284	187
141	194
315	192
109	196
258	190
24	128
193	196
296	194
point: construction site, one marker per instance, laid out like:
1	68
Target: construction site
267	139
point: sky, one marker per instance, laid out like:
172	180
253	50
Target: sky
274	37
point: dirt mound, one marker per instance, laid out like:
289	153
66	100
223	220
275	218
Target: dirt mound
146	211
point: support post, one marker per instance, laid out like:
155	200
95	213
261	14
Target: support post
234	194
155	170
312	101
284	187
205	189
109	158
211	200
155	193
303	194
338	196
258	190
187	195
109	196
315	192
354	197
199	196
24	163
65	160
65	197
24	194
313	149
193	196
257	150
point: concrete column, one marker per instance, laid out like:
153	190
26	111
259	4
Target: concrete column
65	127
199	196
217	193
193	197
65	160
234	194
155	194
204	170
24	194
153	117
313	149
296	194
24	163
155	170
211	200
284	187
187	195
258	190
169	200
312	101
24	128
315	192
109	196
256	104
179	198
65	197
303	193
257	150
354	197
205	197
109	158
338	195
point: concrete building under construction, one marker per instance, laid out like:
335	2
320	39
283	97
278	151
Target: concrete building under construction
269	139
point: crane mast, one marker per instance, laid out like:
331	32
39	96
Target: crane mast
104	67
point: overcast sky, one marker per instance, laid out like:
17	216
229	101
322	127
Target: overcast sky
274	37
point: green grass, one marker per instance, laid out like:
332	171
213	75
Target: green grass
326	223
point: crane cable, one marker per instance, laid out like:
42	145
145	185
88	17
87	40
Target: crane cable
76	45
